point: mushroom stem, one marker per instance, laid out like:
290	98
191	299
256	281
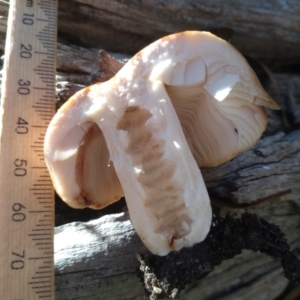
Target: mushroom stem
166	196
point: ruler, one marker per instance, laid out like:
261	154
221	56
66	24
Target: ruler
26	193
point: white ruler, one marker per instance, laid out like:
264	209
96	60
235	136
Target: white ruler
26	193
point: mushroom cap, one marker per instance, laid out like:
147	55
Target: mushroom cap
217	96
124	136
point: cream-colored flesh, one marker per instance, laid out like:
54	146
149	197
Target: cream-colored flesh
167	200
219	102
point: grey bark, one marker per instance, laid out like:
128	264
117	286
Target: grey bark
103	252
268	30
269	168
265	30
97	259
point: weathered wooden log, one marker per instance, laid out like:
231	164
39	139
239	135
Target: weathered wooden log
269	32
264	31
97	259
268	175
267	171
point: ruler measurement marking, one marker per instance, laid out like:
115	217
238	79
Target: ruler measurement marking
46	63
43	111
45	98
41	68
44	103
44	79
38	234
50	48
44	193
44	108
40	211
46	5
47	84
51	54
45	2
49	81
45	179
49	13
47	45
45	39
41	88
39	167
45	35
42	20
49	26
44	257
48	30
48	59
43	292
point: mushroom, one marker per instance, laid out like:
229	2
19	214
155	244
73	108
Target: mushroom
187	100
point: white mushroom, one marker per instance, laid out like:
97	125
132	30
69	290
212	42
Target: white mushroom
124	135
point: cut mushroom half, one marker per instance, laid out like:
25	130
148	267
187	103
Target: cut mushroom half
187	100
